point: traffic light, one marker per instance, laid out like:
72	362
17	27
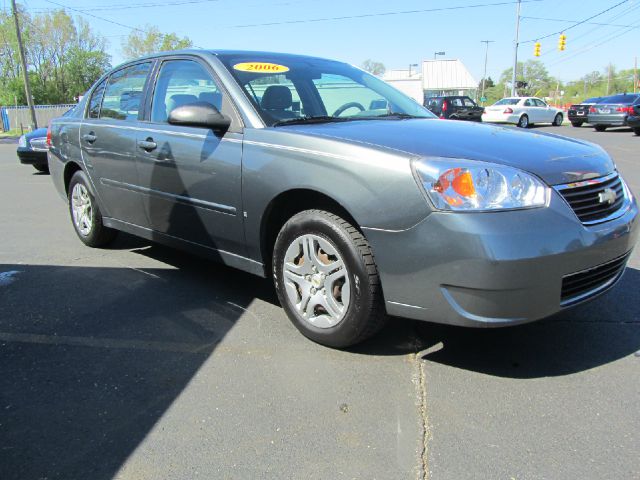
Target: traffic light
536	49
562	42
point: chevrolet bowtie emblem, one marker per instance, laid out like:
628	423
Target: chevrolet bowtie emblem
608	195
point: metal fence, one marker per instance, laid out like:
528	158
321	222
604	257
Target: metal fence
19	118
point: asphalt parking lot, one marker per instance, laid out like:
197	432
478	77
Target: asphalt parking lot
140	362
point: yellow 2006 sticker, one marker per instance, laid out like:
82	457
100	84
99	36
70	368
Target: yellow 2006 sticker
260	67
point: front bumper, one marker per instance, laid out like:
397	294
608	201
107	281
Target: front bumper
31	157
494	269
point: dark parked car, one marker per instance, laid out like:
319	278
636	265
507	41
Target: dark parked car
612	111
577	114
355	208
455	108
32	149
633	120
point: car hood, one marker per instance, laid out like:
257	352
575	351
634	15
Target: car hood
554	158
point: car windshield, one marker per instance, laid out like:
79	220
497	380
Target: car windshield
624	99
294	89
507	101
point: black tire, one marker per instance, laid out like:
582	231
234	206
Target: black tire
576	124
523	121
98	235
636	130
365	313
600	128
41	168
557	121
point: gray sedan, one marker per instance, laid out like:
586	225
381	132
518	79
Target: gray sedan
612	111
357	201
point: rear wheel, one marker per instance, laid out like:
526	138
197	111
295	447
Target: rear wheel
576	124
600	128
85	213
327	280
523	122
557	121
42	168
637	131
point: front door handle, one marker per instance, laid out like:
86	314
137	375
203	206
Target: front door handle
147	145
89	137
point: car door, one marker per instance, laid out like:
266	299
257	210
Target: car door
545	112
529	107
192	175
107	142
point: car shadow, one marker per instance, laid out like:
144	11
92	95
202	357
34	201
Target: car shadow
579	339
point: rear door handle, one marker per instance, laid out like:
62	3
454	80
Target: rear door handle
89	137
147	145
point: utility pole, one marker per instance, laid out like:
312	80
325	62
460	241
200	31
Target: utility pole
608	78
25	73
635	74
515	51
484	77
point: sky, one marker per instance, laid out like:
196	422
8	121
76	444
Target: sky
396	33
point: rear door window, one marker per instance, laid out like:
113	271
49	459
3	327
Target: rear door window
124	91
457	102
96	100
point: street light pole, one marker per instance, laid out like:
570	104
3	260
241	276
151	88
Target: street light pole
486	54
437	53
27	87
515	51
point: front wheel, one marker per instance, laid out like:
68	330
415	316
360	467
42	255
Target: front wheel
600	128
523	122
327	280
85	213
557	121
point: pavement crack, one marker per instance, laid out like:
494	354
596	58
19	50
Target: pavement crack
422	471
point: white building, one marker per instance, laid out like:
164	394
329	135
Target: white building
436	77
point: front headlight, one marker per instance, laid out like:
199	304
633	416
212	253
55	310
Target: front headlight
22	142
469	185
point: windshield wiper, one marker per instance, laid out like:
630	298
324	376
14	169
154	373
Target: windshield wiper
396	115
316	119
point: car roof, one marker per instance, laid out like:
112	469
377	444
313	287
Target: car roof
225	53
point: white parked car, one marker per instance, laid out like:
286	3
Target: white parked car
522	111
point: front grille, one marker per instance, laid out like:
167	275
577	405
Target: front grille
593	201
581	285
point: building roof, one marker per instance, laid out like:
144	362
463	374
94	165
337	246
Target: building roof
446	75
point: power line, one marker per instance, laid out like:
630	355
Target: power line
104	19
575	21
576	24
382	14
122	6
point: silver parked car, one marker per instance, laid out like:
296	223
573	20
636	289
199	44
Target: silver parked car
357	201
612	111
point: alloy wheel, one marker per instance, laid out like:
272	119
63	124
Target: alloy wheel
82	209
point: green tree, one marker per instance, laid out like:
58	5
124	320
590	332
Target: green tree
64	57
535	74
140	43
373	67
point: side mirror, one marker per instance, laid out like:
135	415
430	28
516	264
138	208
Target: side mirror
199	114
